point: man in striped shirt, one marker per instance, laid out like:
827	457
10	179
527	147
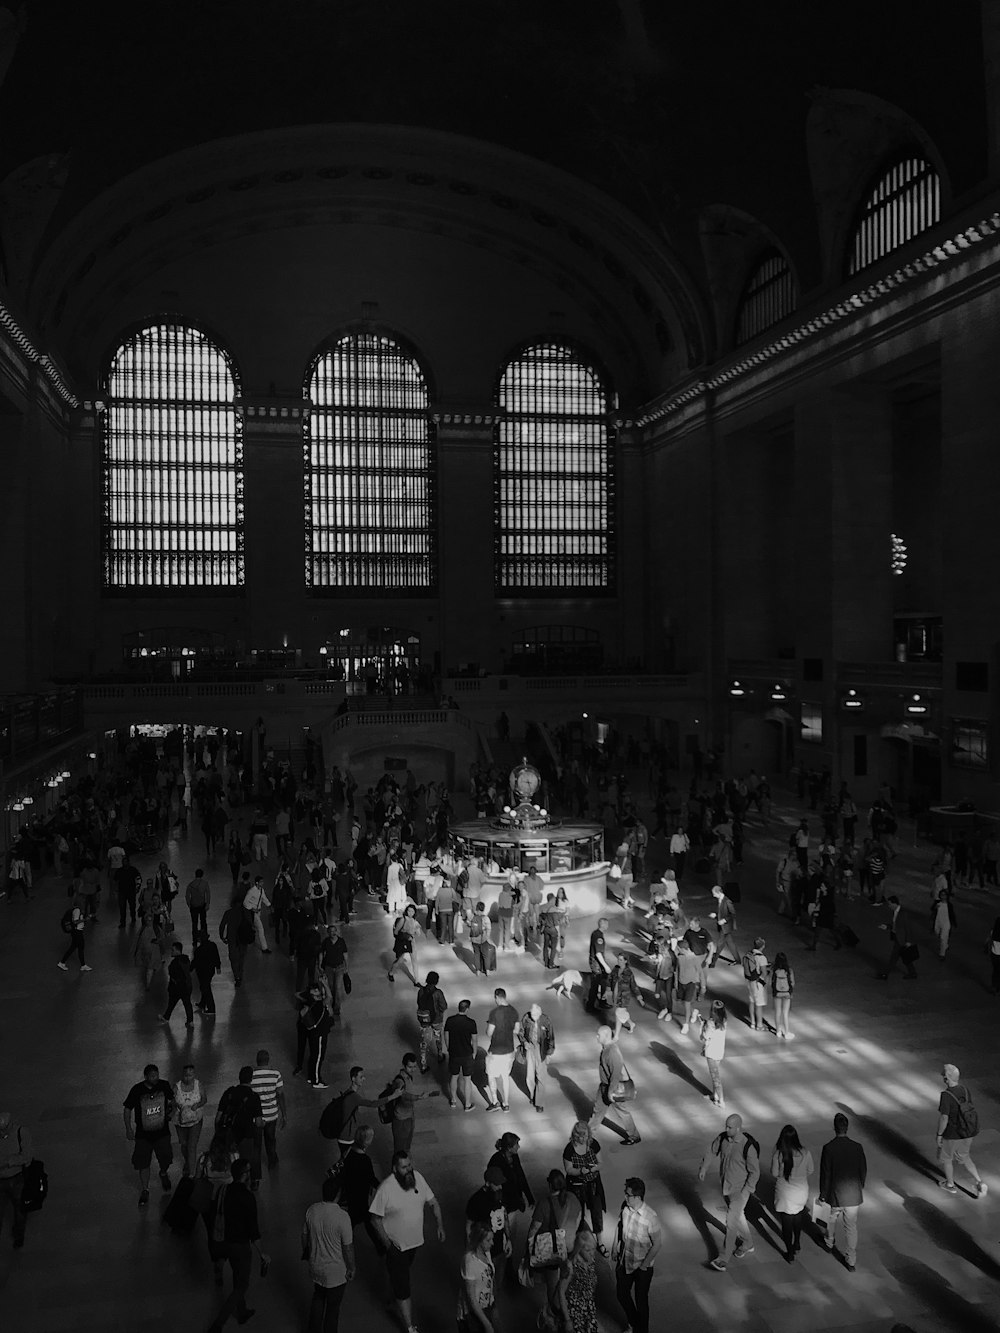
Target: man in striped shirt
270	1087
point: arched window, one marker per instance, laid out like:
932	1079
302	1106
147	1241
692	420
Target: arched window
553	476
905	201
370	468
173	464
768	297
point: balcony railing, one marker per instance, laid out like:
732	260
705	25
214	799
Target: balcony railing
891	675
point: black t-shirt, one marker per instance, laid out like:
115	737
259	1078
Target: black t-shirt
504	1020
358	1180
460	1029
698	940
180	973
596	944
486	1206
151	1108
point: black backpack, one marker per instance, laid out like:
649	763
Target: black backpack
387	1110
966	1117
331	1122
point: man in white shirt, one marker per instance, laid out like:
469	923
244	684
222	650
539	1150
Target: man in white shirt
680	844
397	1214
328	1247
116	859
254	900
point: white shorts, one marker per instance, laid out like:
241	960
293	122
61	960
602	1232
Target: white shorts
499	1066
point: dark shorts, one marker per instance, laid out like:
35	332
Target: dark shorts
461	1064
689	991
402	944
143	1150
398	1264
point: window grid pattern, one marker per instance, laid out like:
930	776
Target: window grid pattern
173	465
554	479
906	201
370	467
769	297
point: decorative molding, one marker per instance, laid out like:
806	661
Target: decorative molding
33	356
876	293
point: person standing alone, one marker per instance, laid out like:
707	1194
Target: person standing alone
843	1170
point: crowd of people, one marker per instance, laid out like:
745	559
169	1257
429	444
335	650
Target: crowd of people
300	855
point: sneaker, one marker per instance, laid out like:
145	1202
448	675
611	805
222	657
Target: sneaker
981	1188
493	1106
320	1087
63	966
742	1251
85	967
947	1186
143	1198
718	1264
684	1028
632	1139
789	1036
452	1103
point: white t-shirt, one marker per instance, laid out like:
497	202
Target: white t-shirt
327	1231
116	857
402	1211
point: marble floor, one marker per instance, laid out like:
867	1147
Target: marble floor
73	1044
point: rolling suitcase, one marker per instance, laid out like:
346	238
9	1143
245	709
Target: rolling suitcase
490	951
179	1215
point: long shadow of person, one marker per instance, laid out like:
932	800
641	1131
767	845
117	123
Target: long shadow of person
684	1187
669	1057
891	1141
945	1232
952	1310
581	1103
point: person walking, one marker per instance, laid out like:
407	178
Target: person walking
198	896
700	943
901	934
404	1107
501	1025
637	1242
312	1030
958	1125
239	1115
328	1249
583	1176
713	1047
823	916
663	961
725	926
942	921
680	845
127	883
537	1041
791	1166
269	1086
190	1099
431	1009
578	1286
738	1157
486	1208
782	990
234	1236
600	969
358	1182
516	1192
843	1170
236	933
254	902
689	972
559	1212
461	1041
333	960
206	965
405	931
445	914
15	1156
74	924
397	1214
179	985
477	1293
755	973
612	1092
147	1111
548	921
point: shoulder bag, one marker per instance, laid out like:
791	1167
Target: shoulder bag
626	1090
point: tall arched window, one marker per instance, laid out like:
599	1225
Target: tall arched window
905	200
553	476
768	297
370	468
173	464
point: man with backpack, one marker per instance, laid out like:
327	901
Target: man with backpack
755	974
340	1115
73	924
147	1111
958	1125
738	1157
431	1009
179	985
240	1115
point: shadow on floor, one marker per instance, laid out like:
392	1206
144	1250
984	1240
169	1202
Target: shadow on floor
946	1233
892	1142
929	1287
668	1056
687	1193
581	1103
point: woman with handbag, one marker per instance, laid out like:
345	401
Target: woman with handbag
405	931
554	1225
583	1176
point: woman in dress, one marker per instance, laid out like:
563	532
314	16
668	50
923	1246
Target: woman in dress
713	1047
395	887
477	1294
578	1284
405	932
584	1177
791	1166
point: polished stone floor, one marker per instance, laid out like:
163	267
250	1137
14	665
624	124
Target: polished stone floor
73	1044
